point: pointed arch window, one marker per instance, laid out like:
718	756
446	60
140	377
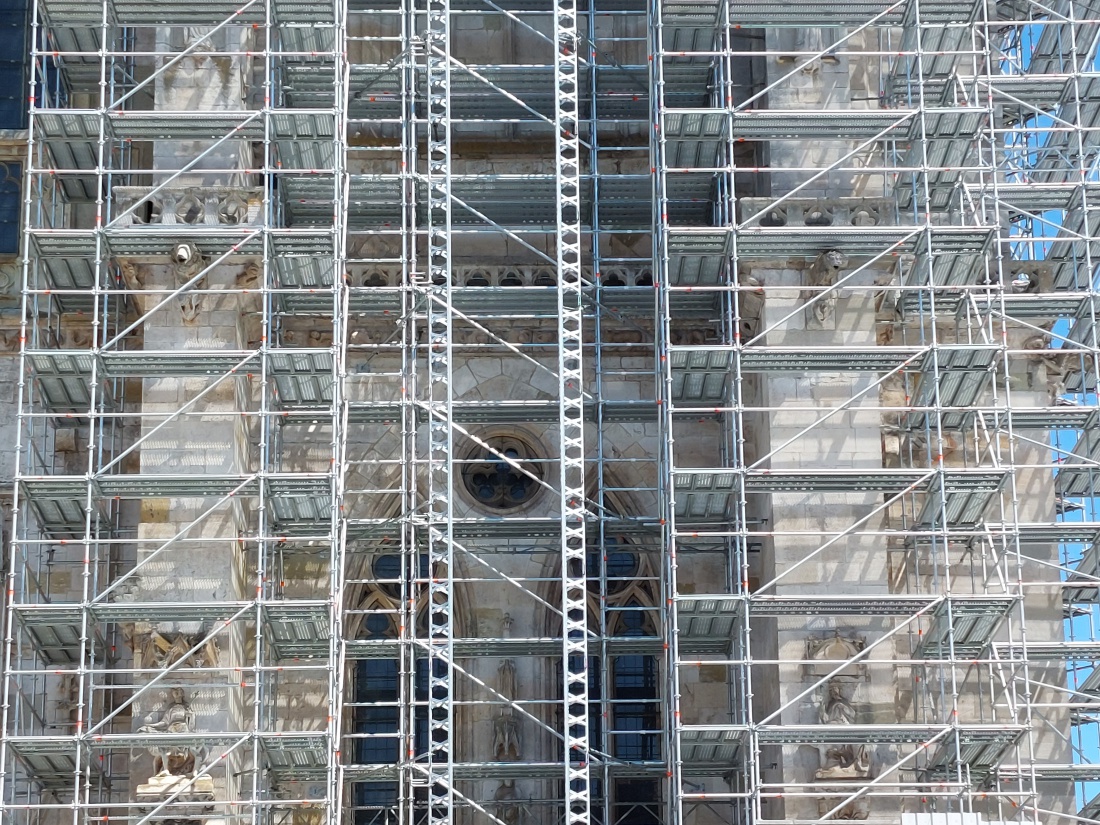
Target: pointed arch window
624	583
376	693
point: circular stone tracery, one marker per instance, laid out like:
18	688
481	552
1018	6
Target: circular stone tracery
500	484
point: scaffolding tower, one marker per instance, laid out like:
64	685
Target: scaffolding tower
539	411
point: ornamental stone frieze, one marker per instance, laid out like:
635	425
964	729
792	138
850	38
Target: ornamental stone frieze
818	212
188	206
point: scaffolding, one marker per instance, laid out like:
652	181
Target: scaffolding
541	411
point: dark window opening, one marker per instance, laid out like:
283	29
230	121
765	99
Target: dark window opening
377	693
11	179
632	734
50	91
636	802
387	573
636	718
375	803
14	63
621	566
503	483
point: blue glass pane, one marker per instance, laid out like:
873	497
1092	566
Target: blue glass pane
50	91
621	565
375	803
635	677
10	205
376	682
387	567
375	793
14	61
377	626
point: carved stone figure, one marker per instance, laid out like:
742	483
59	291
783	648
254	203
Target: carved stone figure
855	809
506	678
187	263
1052	366
507	745
177	718
506	671
750	303
153	649
132	276
842	761
249	277
821	276
835	709
1023	284
845	762
505	797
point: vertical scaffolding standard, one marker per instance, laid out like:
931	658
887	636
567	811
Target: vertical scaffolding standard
541	411
570	373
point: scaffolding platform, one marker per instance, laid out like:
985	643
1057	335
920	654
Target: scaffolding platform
53	764
748	13
701	374
1083	584
714	747
56	632
961	499
1078	474
693	136
950	378
465	648
300	503
977	752
154	243
863	604
962	627
182	13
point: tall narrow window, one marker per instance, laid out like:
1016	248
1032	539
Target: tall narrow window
632	730
377	704
14	62
377	693
11	174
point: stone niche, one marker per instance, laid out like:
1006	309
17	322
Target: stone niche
840	700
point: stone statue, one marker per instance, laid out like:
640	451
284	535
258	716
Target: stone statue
507	745
506	679
153	649
187	263
506	672
845	762
506	727
822	275
1052	366
853	810
841	761
835	709
505	798
177	718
